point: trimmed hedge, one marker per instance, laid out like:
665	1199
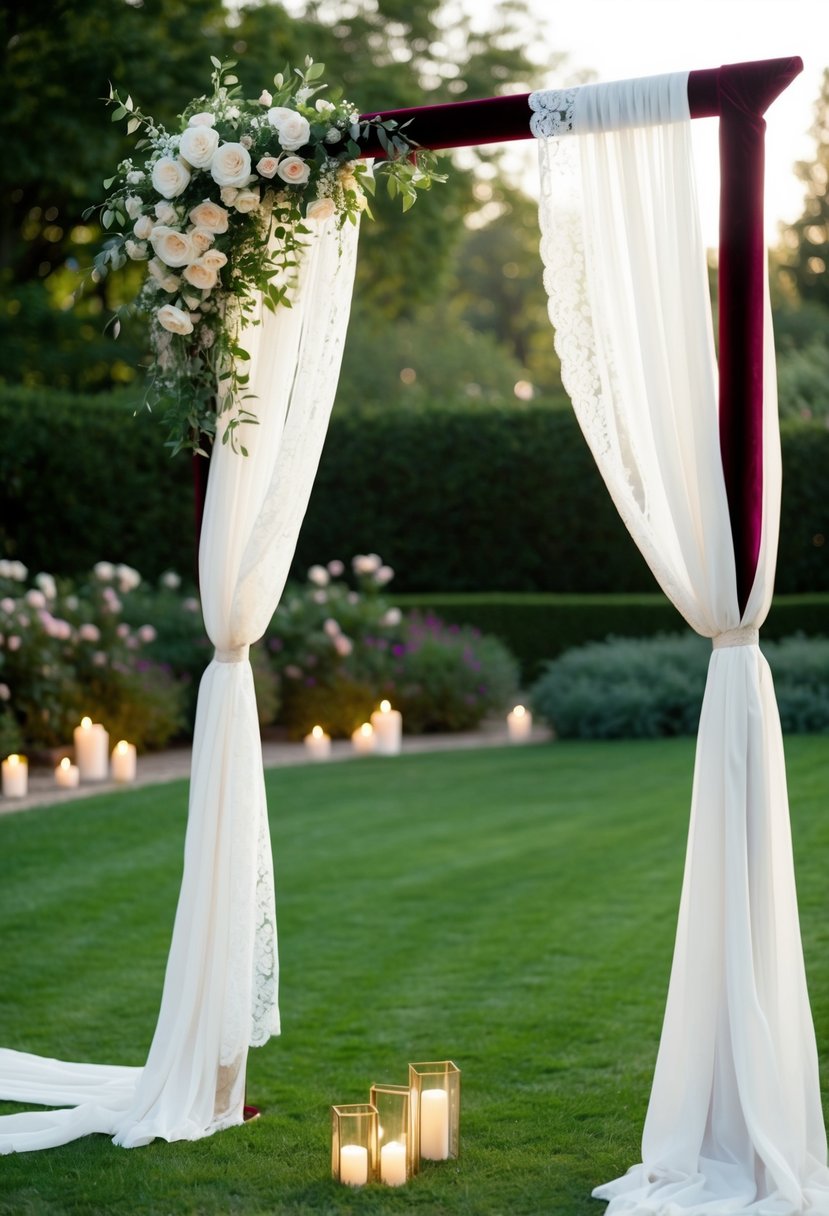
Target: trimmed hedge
495	498
538	628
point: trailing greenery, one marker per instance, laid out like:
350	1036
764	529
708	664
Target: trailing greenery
405	886
628	688
474	498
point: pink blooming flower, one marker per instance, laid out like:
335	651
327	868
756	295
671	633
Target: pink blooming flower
123	630
89	633
14	642
147	633
99	658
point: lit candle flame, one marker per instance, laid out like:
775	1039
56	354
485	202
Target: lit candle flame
385	706
14	760
519	711
86	723
366	730
65	763
122	748
317	732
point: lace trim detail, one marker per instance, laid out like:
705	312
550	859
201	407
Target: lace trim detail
552	112
236	654
265	987
588	370
747	635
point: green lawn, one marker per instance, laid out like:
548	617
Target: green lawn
510	909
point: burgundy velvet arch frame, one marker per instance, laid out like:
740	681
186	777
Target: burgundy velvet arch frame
738	94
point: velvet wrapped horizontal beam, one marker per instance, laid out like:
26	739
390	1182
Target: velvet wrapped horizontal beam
738	94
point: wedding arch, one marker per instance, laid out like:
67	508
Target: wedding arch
689	450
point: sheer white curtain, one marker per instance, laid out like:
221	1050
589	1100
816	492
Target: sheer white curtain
220	989
734	1123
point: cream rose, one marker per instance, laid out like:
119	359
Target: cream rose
171	283
201	238
214	259
174	320
228	195
230	165
173	248
200	276
134	206
267	166
203	119
170	177
166	213
291	128
247	201
210	216
157	269
142	227
320	209
294	171
136	250
198	144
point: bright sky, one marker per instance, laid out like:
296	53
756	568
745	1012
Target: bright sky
625	38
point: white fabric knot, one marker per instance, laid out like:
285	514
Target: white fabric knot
236	654
746	635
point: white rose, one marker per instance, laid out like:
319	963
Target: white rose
323	107
230	165
318	575
265	98
171	283
214	258
392	617
228	195
247	201
142	227
135	176
267	166
105	571
201	238
176	320
294	171
166	213
136	250
291	128
204	119
174	248
320	209
170	177
200	276
210	216
134	206
198	145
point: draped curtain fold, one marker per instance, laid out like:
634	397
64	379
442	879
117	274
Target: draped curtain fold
734	1123
220	988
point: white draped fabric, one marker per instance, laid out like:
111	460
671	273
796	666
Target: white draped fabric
734	1123
220	989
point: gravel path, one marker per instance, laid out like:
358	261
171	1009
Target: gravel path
156	768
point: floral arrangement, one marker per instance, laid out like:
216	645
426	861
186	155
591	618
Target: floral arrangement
219	211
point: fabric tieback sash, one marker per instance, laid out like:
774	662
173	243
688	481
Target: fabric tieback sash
746	635
236	654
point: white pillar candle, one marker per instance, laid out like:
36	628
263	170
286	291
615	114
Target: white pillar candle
318	744
434	1124
363	740
388	729
519	724
354	1165
92	750
393	1163
124	761
15	777
67	774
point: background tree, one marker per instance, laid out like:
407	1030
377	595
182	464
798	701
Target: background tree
805	254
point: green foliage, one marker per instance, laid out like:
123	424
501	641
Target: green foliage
627	688
458	499
66	652
339	651
449	677
805	247
803	380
